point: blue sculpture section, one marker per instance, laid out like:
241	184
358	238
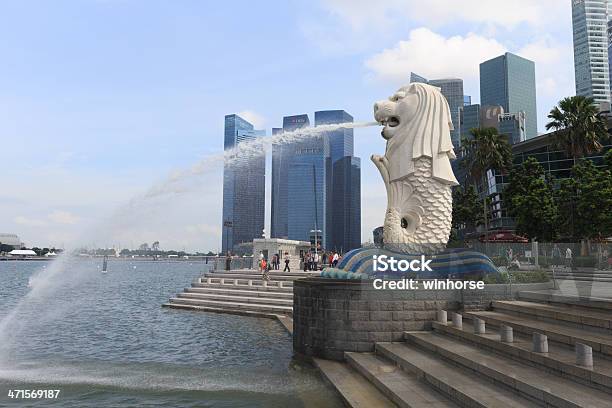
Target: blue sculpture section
457	263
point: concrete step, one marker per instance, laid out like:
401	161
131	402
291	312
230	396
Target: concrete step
591	302
579	316
534	383
225	282
234	305
272	272
238	299
462	386
355	390
247	276
559	332
403	388
241	312
252	291
559	359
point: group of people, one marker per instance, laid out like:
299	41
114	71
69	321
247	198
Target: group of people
274	264
312	260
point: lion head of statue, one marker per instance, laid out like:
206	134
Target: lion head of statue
417	123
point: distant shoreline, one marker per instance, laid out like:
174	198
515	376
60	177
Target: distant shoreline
138	259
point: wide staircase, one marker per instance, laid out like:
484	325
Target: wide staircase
241	291
557	352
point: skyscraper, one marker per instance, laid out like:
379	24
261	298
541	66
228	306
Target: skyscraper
306	193
509	81
345	226
343	180
298	183
591	66
509	124
452	89
243	186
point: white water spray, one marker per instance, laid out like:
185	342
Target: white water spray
63	271
250	148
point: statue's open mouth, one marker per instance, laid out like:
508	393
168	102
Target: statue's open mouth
392	121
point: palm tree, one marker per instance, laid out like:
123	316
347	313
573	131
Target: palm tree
579	126
486	150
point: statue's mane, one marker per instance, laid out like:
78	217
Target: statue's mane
426	134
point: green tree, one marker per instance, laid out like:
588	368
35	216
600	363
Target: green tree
530	199
579	126
608	159
467	210
486	150
585	202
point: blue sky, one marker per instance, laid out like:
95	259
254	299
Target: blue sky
99	100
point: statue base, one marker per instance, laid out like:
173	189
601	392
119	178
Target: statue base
455	263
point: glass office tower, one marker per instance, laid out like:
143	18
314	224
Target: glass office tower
345	226
509	81
307	194
591	65
243	186
298	183
343	178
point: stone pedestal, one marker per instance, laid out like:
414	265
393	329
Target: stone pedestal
441	317
479	326
507	334
540	343
584	355
457	320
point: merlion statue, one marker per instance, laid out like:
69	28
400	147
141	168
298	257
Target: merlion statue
416	168
418	176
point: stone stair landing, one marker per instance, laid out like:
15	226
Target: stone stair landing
241	292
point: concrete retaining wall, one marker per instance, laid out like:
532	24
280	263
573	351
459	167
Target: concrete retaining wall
333	316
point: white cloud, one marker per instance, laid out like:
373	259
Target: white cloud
63	217
554	73
433	55
255	118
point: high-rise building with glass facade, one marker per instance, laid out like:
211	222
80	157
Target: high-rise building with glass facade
282	157
243	186
509	81
345	226
313	184
452	89
509	124
591	65
343	178
469	119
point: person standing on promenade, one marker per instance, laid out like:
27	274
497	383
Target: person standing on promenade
315	262
287	269
265	272
568	257
556	255
228	261
334	261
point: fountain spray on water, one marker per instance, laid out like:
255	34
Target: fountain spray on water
63	272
